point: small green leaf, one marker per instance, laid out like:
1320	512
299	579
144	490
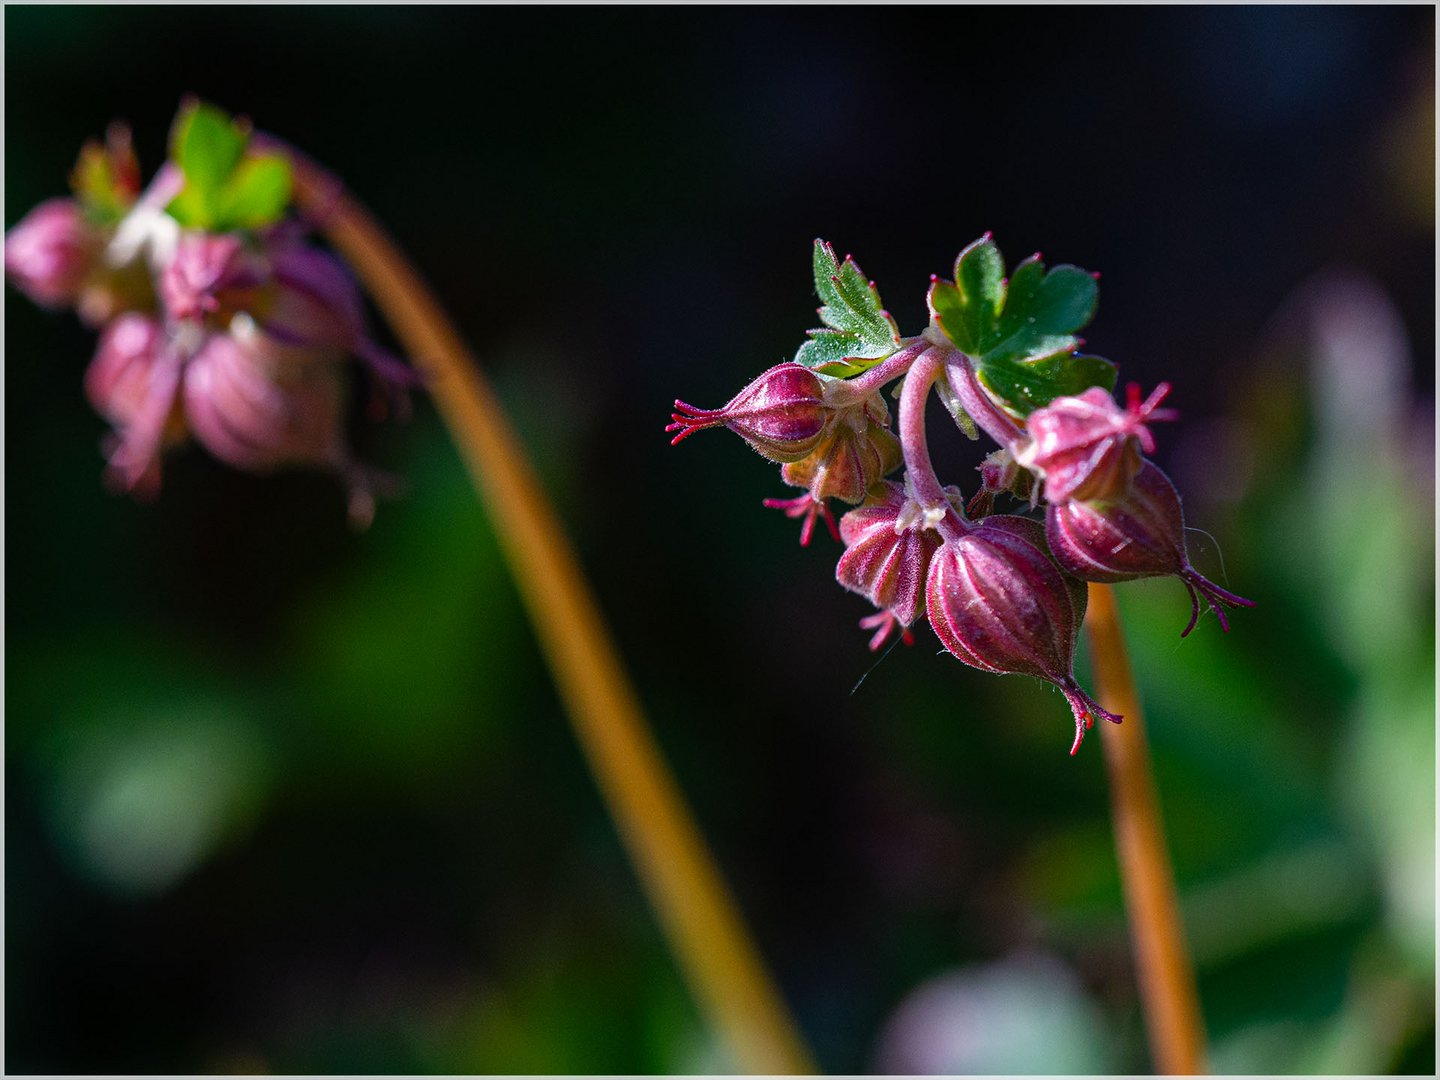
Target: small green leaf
858	331
256	194
1020	333
207	145
829	353
224	188
95	185
956	408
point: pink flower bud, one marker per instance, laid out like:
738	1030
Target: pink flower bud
211	277
846	463
999	603
51	251
887	554
133	382
1000	475
1141	534
256	422
1087	447
119	378
783	414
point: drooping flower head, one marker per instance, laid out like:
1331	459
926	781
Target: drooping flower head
1003	593
219	320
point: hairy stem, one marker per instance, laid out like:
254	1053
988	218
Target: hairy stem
988	416
1162	960
700	919
919	469
889	369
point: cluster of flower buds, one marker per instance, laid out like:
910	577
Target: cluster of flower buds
1004	593
220	322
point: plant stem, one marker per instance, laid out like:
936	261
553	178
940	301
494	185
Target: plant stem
700	919
920	470
988	416
889	369
1162	961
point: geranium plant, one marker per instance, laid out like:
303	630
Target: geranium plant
1004	592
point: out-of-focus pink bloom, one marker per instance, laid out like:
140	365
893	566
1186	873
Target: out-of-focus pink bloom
256	421
133	381
210	278
118	379
51	251
260	419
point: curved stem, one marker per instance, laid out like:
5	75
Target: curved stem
889	369
1163	970
920	470
696	910
988	416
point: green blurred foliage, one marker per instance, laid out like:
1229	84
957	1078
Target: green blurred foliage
281	797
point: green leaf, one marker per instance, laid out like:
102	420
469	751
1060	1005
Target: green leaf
191	209
96	186
256	193
858	331
224	188
1025	386
1020	333
207	145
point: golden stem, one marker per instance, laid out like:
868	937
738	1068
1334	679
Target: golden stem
696	911
1162	962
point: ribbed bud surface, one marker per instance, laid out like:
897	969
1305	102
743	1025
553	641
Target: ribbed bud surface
887	553
1139	535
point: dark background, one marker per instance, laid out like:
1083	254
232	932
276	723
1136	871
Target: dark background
281	797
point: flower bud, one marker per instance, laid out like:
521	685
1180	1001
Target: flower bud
51	251
133	382
260	421
887	553
1000	475
1087	447
119	378
783	414
257	422
210	278
847	462
999	603
1141	534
